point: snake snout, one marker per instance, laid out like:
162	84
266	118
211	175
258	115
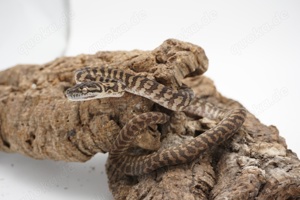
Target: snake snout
67	92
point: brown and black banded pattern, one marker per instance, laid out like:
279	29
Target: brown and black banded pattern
129	132
188	151
205	109
167	97
177	100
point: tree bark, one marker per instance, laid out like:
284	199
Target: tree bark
38	121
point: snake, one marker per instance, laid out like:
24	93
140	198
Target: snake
102	82
170	98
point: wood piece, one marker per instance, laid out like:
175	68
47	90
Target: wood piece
38	121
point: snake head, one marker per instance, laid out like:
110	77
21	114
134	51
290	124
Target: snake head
83	75
83	91
94	90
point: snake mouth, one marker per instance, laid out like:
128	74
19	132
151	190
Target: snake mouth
80	96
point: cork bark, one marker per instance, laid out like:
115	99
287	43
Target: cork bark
38	121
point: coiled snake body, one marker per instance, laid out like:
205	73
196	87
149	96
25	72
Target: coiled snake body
102	82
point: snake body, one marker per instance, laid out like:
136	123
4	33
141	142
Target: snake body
167	97
188	151
104	82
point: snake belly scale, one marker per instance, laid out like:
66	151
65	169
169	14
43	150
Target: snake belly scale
102	82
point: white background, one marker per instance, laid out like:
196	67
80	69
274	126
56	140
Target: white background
253	48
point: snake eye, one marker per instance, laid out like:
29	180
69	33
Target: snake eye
84	90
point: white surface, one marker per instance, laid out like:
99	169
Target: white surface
32	31
253	47
23	178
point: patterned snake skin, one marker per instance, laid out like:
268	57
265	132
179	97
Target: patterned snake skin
169	98
95	83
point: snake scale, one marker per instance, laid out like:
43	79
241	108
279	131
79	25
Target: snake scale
94	83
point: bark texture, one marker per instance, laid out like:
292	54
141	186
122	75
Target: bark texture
38	121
